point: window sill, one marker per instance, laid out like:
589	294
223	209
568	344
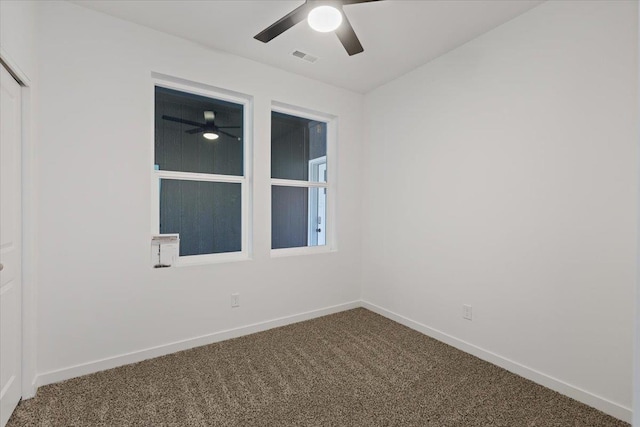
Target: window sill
193	260
306	250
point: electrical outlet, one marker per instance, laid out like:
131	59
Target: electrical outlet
466	312
235	300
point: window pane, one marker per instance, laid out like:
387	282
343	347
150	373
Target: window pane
296	145
298	217
207	215
182	146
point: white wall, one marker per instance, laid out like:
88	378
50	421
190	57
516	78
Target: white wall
504	175
98	296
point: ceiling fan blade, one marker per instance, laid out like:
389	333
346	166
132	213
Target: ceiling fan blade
229	127
194	131
348	37
228	134
186	122
347	2
283	24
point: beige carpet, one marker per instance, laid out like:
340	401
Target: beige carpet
349	369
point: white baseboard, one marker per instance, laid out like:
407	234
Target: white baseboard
598	402
29	392
161	350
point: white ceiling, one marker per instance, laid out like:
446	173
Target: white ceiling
397	35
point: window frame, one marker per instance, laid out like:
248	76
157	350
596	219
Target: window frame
331	122
244	180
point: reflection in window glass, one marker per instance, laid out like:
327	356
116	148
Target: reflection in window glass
181	121
207	215
298	216
295	143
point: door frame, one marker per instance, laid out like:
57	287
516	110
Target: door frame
314	164
635	398
29	226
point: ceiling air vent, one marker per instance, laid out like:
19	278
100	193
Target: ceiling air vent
305	56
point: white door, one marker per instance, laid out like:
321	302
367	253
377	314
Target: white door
10	246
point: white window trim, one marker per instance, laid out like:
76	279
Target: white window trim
303	250
332	169
295	183
245	181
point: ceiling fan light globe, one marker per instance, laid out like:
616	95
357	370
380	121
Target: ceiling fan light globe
210	135
324	19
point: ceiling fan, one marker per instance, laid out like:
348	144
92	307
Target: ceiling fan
323	16
209	129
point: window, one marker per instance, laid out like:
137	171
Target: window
199	173
300	188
